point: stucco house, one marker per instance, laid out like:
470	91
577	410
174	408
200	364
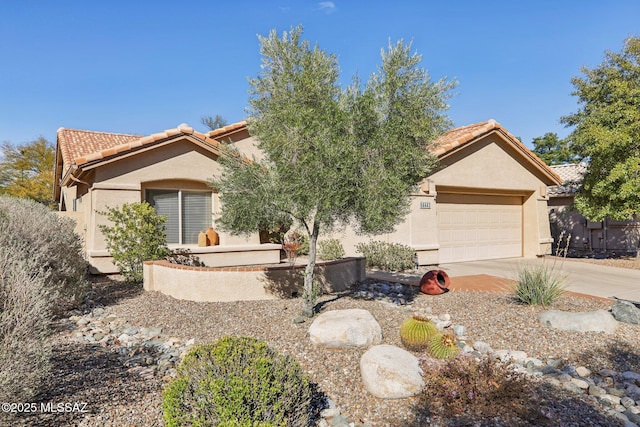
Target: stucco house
573	231
488	200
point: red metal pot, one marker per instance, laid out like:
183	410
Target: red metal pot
435	282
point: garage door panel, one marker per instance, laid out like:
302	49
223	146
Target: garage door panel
488	228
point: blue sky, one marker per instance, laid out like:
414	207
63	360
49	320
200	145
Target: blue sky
144	66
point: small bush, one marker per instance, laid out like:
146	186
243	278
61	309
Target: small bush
330	249
237	381
539	285
25	307
136	235
465	387
387	256
46	243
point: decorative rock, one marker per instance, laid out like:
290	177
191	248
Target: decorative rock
586	321
580	383
482	347
594	390
345	328
583	372
627	402
459	330
625	311
630	375
389	372
511	356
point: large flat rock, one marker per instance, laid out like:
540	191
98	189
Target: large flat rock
584	321
345	328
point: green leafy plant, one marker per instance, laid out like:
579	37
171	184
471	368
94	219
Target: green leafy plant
237	381
416	331
539	285
387	256
443	346
136	234
330	249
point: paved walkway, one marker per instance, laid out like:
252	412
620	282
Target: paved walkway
498	275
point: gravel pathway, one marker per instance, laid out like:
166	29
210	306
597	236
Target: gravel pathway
92	374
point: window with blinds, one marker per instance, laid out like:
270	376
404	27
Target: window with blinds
188	213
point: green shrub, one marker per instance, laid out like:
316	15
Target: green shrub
330	249
136	234
45	244
237	381
539	285
25	315
387	256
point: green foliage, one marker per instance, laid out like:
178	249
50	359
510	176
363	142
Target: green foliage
26	171
136	234
539	285
387	256
332	155
330	249
607	131
237	381
416	331
555	151
443	346
213	123
45	245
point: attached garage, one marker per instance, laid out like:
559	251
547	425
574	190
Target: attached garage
477	227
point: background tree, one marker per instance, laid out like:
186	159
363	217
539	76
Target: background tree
332	155
213	123
607	130
553	150
26	171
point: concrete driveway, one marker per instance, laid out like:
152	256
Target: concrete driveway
591	279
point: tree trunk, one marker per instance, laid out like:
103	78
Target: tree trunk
309	295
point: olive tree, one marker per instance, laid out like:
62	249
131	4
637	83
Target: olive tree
332	156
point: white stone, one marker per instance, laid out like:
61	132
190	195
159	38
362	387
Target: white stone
511	356
583	372
536	362
580	383
586	321
345	328
389	372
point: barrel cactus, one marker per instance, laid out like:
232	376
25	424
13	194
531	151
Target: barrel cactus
416	331
443	346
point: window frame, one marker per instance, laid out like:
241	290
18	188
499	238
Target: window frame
180	192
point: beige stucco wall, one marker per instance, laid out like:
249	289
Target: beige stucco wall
491	167
125	180
245	284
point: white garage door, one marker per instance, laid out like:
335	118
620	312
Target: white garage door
474	227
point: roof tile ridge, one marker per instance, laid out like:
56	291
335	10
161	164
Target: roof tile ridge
61	129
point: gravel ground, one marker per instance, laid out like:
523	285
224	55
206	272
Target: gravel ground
91	374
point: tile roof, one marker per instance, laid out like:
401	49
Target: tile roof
75	143
456	138
79	147
220	132
571	175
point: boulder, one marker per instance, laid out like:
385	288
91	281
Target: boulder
625	311
585	321
389	372
345	328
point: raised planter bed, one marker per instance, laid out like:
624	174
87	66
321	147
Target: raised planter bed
249	282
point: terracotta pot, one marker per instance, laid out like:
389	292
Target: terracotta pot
202	239
435	282
212	237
